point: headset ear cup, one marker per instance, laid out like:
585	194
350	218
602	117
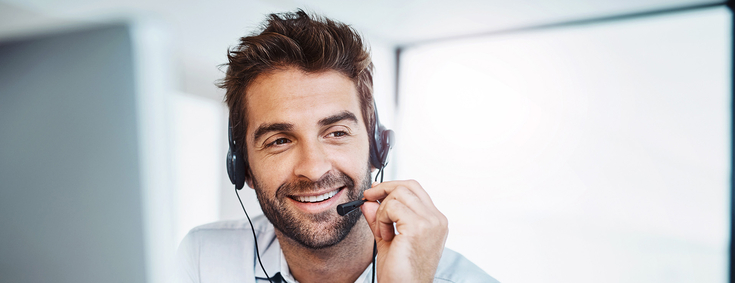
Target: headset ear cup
376	146
241	171
231	166
386	143
236	167
374	157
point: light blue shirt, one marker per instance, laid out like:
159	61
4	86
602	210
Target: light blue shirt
224	252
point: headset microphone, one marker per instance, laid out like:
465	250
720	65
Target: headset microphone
348	207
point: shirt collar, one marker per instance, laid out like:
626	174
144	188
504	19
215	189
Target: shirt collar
285	271
365	277
270	255
274	261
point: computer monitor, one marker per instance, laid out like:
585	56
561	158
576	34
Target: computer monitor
75	168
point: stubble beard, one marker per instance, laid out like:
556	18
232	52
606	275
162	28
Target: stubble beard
314	231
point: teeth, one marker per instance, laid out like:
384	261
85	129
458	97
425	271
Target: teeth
325	196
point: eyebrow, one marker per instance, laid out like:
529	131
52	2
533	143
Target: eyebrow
281	127
276	127
344	115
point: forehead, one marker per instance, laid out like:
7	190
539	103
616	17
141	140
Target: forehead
291	95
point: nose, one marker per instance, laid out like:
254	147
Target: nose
313	161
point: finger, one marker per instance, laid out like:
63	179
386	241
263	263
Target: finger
427	214
369	210
410	200
382	190
411	216
386	231
378	191
393	211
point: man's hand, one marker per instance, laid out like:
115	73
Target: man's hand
413	254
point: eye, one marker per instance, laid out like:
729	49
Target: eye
337	134
279	141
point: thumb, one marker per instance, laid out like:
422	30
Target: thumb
370	210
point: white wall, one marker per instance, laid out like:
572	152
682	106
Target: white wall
596	153
197	161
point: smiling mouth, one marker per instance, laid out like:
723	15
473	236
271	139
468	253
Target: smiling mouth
319	198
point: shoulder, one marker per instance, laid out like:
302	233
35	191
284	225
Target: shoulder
455	268
260	224
220	250
225	234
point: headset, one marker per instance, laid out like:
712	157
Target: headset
238	170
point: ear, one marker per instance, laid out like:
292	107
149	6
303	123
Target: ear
249	182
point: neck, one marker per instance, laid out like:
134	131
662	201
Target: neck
343	262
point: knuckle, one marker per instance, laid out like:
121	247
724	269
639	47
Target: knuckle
388	205
381	208
423	226
393	197
436	222
407	194
414	183
401	191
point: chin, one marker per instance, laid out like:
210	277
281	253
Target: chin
316	231
313	231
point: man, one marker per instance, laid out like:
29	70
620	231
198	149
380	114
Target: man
302	114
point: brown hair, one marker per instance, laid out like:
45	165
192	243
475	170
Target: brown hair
310	43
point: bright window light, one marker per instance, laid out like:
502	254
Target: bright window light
197	160
595	153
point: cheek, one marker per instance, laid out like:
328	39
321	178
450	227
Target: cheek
352	160
270	173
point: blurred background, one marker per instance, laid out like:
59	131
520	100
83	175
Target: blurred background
566	141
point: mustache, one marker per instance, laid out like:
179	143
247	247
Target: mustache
329	180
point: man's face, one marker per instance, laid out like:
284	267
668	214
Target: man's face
308	151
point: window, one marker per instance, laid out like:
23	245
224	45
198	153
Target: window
592	153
